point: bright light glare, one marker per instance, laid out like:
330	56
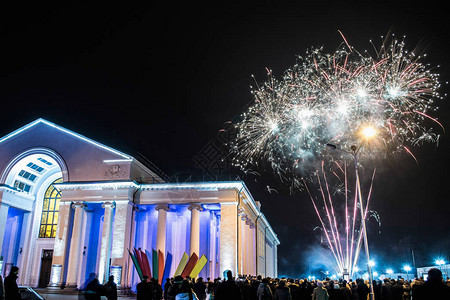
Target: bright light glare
273	126
440	262
394	92
371	263
361	93
368	132
389	271
407	268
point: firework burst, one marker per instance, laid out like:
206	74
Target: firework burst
330	98
341	99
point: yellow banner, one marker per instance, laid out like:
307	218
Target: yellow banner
199	266
182	264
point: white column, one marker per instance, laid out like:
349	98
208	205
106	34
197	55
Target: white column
228	237
130	270
122	233
75	244
105	244
161	230
60	246
248	246
253	257
195	229
212	245
244	244
239	244
275	260
23	248
4	208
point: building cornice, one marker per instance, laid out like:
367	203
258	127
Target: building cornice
100	185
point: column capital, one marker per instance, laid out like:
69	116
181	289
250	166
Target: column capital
195	206
108	204
76	205
163	206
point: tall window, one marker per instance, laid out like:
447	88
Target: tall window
50	211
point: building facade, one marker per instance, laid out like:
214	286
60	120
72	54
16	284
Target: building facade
72	208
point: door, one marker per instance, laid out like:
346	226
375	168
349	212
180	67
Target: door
46	268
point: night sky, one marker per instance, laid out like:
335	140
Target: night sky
160	80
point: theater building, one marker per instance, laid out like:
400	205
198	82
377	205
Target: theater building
71	207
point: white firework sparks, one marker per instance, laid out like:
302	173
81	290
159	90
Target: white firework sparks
331	98
340	98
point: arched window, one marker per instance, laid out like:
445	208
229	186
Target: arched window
50	210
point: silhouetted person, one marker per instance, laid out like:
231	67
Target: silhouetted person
167	286
94	290
320	292
111	288
282	292
228	289
376	289
264	292
434	288
156	289
334	291
200	289
185	292
362	289
144	289
354	289
10	285
1	288
386	290
247	291
174	288
397	290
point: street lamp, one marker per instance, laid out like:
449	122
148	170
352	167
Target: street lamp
389	272
440	262
407	268
367	132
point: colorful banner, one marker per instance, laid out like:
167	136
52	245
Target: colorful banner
150	260
136	264
190	265
155	263
198	266
167	268
146	265
160	266
181	264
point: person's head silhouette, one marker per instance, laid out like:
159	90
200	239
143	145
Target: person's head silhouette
229	275
434	275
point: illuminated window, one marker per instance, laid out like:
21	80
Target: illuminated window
22	186
35	167
45	161
50	211
27	175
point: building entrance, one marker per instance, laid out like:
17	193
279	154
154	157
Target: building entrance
46	267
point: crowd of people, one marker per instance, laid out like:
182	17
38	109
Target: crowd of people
258	288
